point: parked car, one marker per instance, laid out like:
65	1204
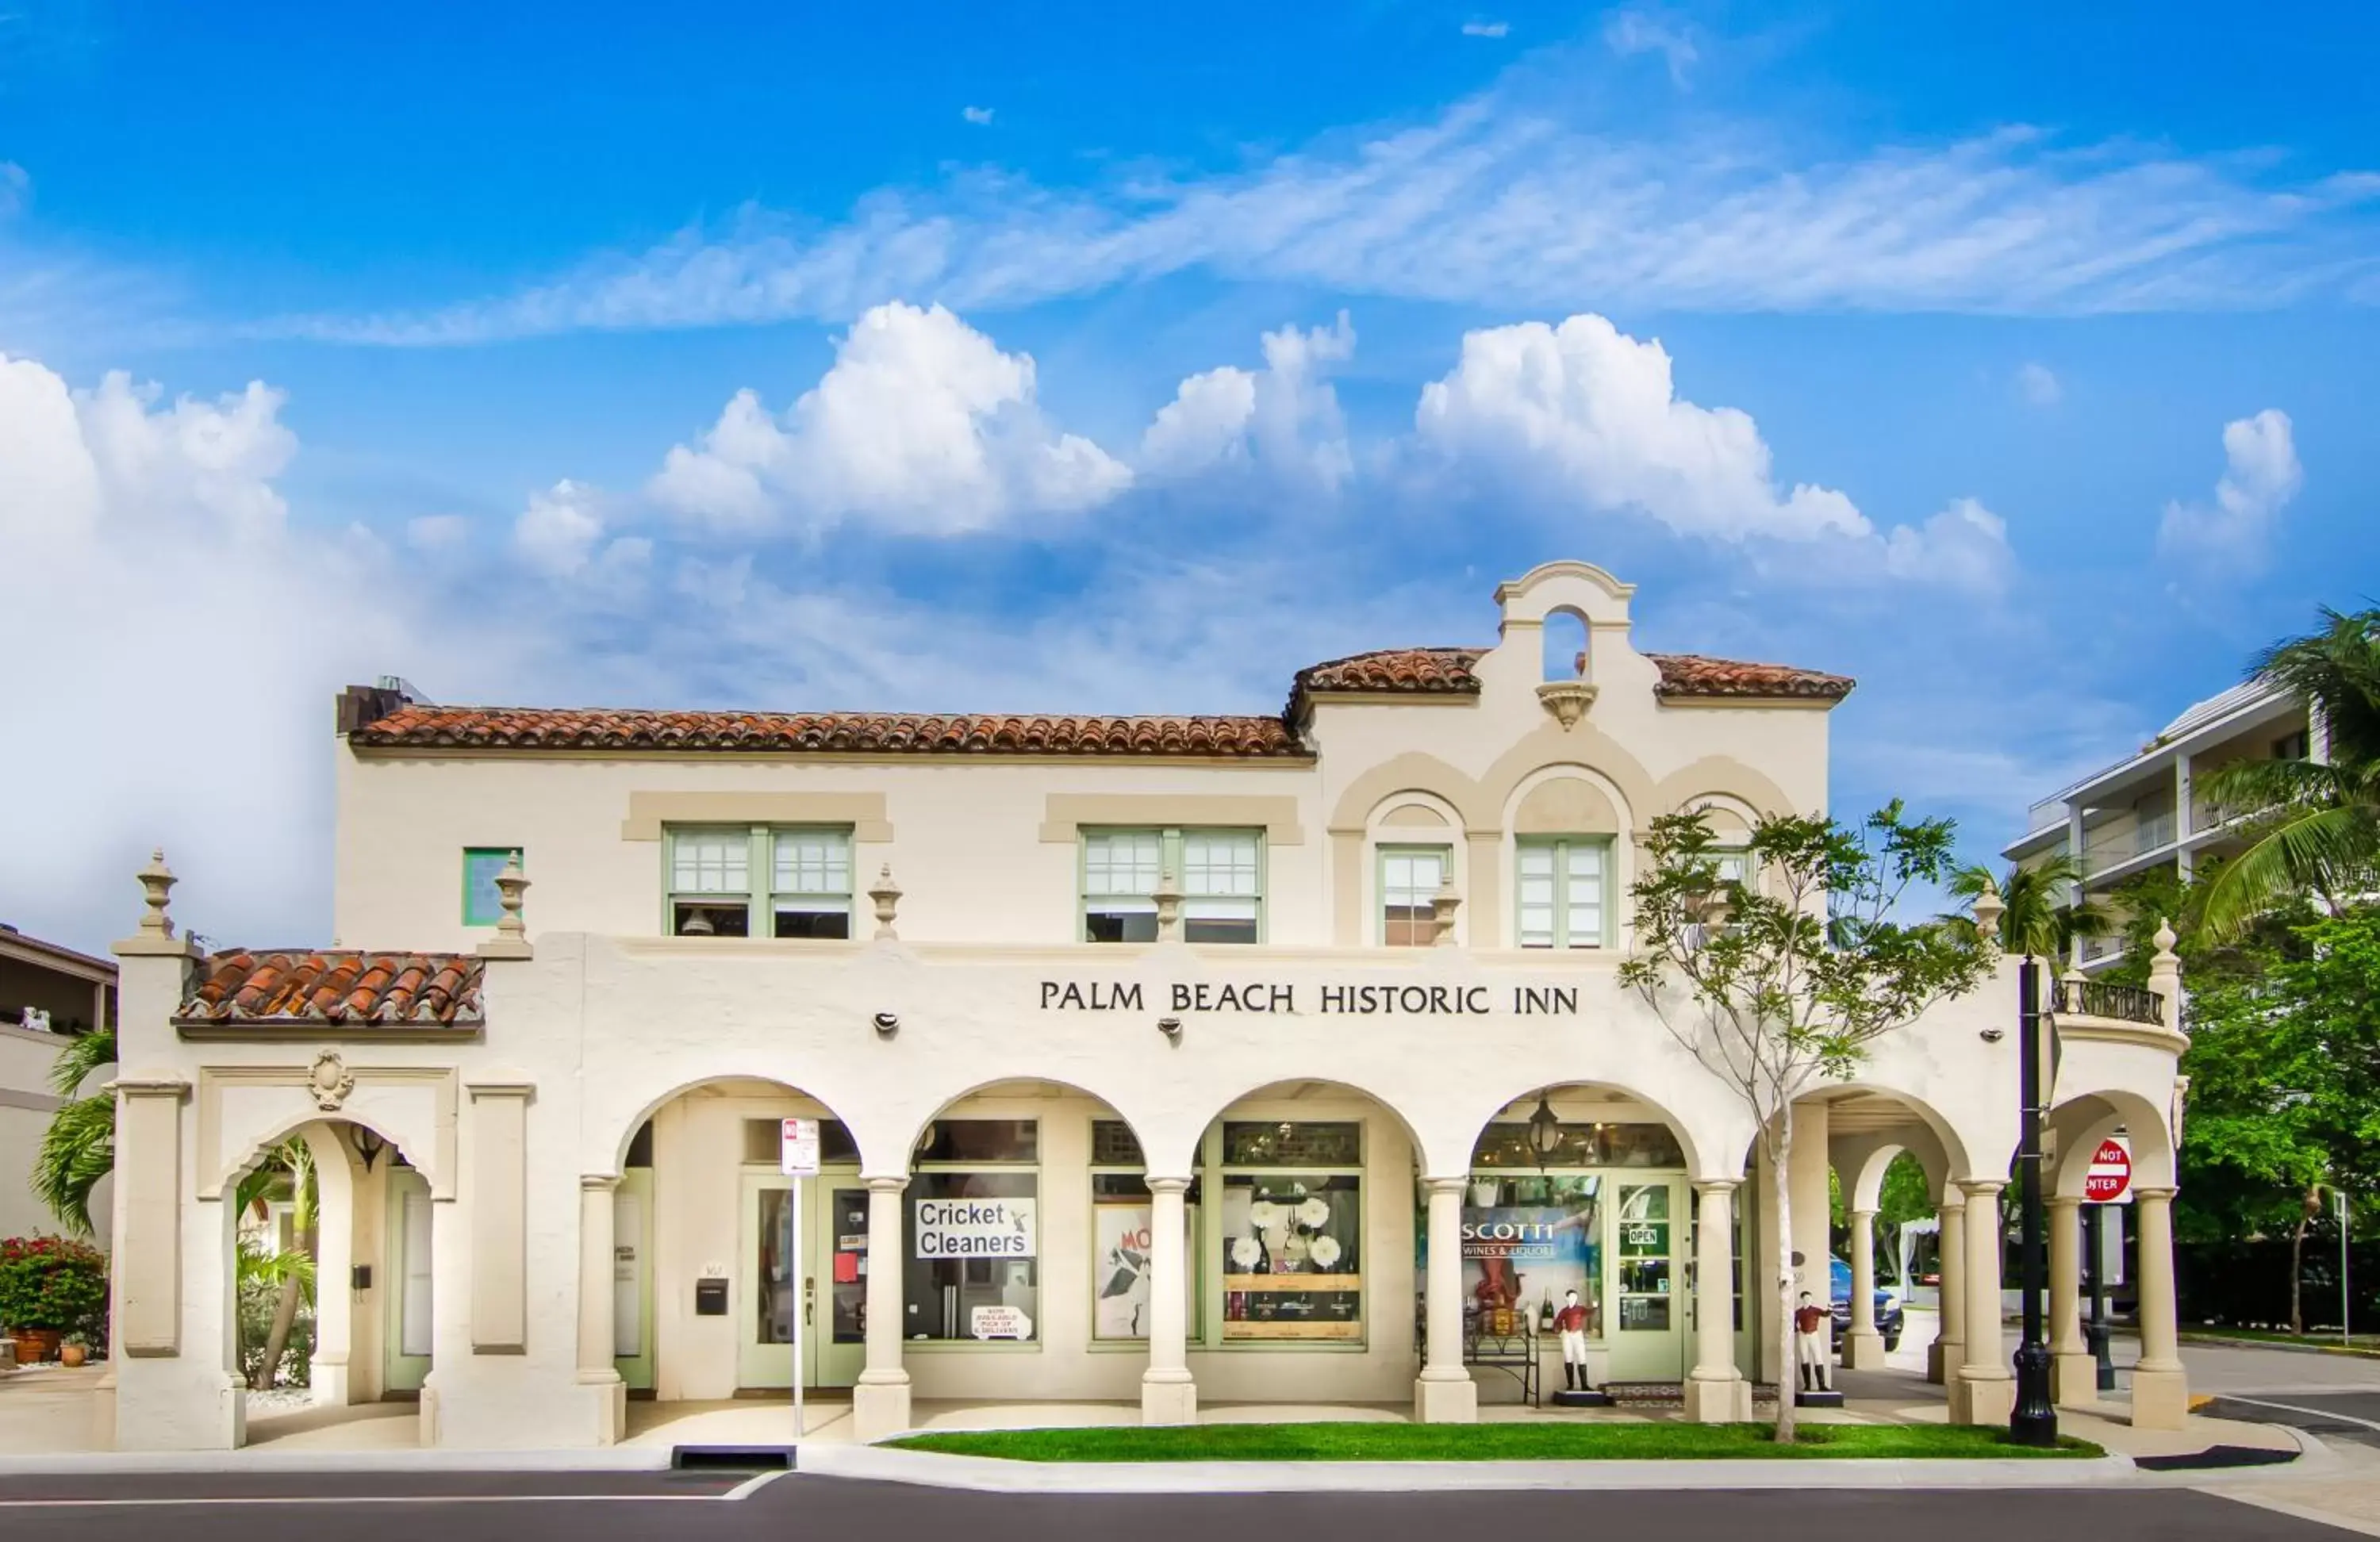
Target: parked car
1889	1313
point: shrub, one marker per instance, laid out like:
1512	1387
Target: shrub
56	1284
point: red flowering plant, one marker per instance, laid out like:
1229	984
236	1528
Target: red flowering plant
53	1283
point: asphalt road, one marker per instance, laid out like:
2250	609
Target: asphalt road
638	1507
2333	1414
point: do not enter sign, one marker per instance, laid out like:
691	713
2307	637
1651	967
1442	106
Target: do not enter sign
2109	1182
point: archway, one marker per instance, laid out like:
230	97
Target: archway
330	1262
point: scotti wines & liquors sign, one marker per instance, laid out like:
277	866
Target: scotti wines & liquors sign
1353	1000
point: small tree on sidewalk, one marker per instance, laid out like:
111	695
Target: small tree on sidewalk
1784	978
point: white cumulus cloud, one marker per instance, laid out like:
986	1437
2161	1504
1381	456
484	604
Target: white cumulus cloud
2261	476
1640	31
1965	546
1589	418
1284	417
2038	386
922	426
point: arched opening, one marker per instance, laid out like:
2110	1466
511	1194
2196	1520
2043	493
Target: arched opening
1582	1188
1566	656
1887	1158
715	1251
330	1279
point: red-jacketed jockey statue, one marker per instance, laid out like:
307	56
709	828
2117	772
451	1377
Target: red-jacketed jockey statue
1812	1323
1570	1323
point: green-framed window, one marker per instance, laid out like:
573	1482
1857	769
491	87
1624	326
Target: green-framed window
482	906
1219	871
758	880
1409	879
1563	897
1122	1214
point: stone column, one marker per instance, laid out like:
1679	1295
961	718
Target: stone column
1168	1393
1949	1348
2074	1372
2160	1388
880	1403
1444	1393
1717	1391
597	1258
1985	1392
1863	1345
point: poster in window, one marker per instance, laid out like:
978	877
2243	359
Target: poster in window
1519	1259
1120	1266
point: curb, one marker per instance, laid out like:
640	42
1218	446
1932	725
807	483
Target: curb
2222	1340
996	1474
596	1459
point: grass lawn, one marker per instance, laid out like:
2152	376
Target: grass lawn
1483	1442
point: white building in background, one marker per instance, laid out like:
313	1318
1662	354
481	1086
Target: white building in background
48	995
1161	1061
2150	811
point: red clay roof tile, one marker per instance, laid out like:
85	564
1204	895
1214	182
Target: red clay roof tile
414	726
389	989
1694	674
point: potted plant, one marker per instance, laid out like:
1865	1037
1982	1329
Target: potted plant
73	1350
50	1287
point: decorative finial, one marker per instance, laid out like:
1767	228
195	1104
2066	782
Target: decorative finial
1442	906
2165	938
2165	976
887	896
1169	907
156	884
1989	908
512	887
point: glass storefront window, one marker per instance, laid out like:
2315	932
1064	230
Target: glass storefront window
1285	1143
1293	1266
1525	1240
971	1236
1507	1146
1645	1253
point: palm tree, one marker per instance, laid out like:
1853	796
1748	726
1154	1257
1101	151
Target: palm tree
79	1149
2040	921
2317	827
292	1268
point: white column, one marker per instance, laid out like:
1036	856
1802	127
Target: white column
1169	1395
2160	1387
1950	1349
1863	1345
2074	842
880	1403
2182	793
1444	1393
2074	1373
1987	1387
1717	1391
607	1395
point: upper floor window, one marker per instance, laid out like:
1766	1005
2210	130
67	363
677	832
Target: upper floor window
482	906
2290	747
1564	899
1410	880
1220	873
734	880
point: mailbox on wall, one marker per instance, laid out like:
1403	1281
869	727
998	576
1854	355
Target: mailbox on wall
710	1298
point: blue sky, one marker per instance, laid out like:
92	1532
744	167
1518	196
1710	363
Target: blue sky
1070	357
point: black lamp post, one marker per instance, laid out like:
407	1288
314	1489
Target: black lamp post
2034	1421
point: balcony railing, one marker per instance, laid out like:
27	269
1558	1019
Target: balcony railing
2126	1003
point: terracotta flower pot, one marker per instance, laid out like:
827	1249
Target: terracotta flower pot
72	1354
36	1344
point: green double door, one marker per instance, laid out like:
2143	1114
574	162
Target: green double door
822	1274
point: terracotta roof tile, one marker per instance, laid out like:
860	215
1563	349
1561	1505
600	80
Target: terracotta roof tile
391	990
1694	674
414	726
1426	670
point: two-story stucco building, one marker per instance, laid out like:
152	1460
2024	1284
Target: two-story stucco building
1159	1061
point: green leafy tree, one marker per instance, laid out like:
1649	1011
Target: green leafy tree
1783	981
78	1148
2317	823
2283	1062
287	1274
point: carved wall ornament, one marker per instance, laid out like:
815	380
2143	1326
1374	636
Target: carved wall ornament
330	1081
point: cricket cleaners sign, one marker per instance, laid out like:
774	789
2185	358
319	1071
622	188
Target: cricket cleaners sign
975	1229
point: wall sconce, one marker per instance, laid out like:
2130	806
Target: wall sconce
1170	1026
1993	1036
368	1146
887	1024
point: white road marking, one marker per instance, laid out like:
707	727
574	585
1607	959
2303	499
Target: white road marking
159	1503
752	1486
